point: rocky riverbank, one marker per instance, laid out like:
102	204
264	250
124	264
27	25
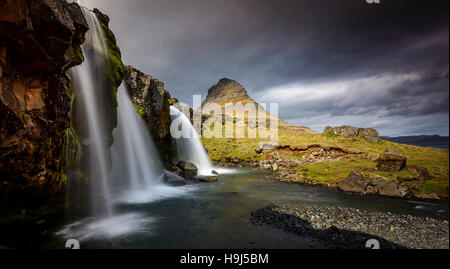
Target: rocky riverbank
339	227
387	175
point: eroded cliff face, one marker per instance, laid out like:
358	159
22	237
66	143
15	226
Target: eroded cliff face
152	102
39	41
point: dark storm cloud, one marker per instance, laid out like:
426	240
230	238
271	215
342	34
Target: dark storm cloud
396	50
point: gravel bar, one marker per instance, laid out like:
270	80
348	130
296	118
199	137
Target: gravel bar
339	227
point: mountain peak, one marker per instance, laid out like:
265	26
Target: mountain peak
226	91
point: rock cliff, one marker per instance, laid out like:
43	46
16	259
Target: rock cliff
39	41
152	102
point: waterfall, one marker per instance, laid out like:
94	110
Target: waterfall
136	164
122	169
90	113
190	148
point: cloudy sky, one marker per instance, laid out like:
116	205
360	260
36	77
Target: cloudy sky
325	62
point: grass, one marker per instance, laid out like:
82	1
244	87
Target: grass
435	160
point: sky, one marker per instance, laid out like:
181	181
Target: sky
334	63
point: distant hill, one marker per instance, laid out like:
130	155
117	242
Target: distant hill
230	91
434	141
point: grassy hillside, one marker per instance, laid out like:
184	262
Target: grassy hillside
361	154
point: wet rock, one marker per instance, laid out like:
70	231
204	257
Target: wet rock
391	160
188	170
186	110
103	18
206	179
173	179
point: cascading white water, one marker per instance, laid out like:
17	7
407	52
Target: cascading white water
91	113
131	172
136	164
190	148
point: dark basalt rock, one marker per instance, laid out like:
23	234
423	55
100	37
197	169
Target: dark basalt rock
173	179
188	169
39	41
104	19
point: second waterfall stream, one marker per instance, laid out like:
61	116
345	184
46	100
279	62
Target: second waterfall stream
126	170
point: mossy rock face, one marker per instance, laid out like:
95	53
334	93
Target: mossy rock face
151	101
114	67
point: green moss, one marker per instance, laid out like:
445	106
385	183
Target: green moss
139	109
333	171
115	70
79	53
435	160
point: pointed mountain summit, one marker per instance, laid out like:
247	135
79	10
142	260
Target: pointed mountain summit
227	91
230	91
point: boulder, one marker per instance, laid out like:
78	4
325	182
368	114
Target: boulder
369	134
393	189
173	179
353	183
391	161
421	173
188	170
366	183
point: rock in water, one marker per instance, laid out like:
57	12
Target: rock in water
173	179
207	179
391	161
188	170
